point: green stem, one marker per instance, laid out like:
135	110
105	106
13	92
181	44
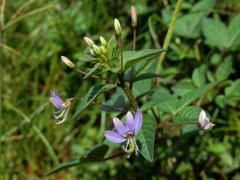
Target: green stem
169	34
121	52
128	92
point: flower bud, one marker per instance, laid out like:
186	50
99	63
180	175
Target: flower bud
133	16
96	50
92	53
103	50
89	41
68	62
117	27
204	121
103	41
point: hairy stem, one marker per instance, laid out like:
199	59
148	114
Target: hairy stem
169	35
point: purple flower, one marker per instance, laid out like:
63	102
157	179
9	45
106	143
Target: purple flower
125	133
204	121
60	115
56	100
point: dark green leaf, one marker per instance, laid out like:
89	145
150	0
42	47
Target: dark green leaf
146	137
91	95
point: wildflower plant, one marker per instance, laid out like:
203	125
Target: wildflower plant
146	113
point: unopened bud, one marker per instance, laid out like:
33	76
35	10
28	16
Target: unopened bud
133	16
88	41
103	41
117	27
68	62
96	50
92	53
103	50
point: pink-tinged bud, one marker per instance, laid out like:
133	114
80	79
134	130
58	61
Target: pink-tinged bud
68	62
88	41
204	121
117	27
134	16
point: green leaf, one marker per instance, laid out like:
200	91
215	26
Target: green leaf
111	46
189	113
92	71
146	76
193	95
233	89
234	32
173	105
215	32
95	154
183	86
224	69
132	57
221	101
92	95
146	137
198	76
189	25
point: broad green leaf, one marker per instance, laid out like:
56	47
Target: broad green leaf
221	101
189	25
198	76
146	137
166	104
234	32
132	57
188	113
215	32
233	89
92	95
224	69
95	154
182	87
173	105
193	95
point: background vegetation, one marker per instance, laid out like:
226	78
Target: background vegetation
204	48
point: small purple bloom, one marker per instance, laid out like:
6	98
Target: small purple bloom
204	121
56	100
125	133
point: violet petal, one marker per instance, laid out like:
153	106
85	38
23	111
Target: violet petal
121	129
138	121
56	100
114	137
130	122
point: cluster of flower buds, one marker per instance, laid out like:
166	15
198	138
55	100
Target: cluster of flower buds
97	51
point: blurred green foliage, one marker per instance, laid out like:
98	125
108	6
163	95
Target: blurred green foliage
204	49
